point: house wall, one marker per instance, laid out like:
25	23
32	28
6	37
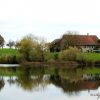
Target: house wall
87	48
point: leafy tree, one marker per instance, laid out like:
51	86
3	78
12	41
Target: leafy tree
27	45
2	41
33	49
11	44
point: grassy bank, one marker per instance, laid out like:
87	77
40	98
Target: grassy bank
92	56
8	51
87	56
8	56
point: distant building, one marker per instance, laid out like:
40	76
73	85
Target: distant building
86	43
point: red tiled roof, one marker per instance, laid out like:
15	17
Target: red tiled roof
86	39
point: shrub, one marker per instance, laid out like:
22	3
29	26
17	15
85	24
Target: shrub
56	56
69	54
80	57
32	49
8	59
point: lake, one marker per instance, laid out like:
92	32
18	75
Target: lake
49	83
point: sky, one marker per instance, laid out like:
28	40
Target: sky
48	18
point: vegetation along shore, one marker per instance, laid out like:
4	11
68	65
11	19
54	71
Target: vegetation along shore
67	50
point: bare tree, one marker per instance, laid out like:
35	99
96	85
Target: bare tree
70	38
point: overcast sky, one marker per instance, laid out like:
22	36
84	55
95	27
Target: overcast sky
48	18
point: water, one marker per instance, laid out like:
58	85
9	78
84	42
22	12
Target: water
9	65
47	83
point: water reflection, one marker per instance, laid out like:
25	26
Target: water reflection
2	83
31	78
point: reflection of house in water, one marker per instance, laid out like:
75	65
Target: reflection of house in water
89	85
78	86
91	76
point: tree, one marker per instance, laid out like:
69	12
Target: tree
70	38
11	44
17	44
2	41
43	50
27	46
33	49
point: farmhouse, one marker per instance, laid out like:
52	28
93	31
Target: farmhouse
86	43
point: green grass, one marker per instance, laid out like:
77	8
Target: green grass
8	51
88	56
92	56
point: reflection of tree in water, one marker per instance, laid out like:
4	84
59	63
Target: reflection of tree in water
11	71
71	82
36	78
67	86
65	79
2	83
11	80
28	79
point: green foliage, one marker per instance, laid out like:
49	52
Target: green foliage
80	57
56	56
32	49
27	44
2	41
8	56
8	59
69	54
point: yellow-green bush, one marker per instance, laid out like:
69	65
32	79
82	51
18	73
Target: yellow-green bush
69	54
8	59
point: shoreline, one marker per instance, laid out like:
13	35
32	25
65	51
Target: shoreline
64	63
68	64
72	64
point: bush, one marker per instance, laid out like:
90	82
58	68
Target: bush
8	59
56	56
32	49
69	54
80	57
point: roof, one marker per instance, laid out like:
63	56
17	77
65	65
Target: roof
85	39
55	41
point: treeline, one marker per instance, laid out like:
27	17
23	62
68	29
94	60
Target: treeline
34	49
10	43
